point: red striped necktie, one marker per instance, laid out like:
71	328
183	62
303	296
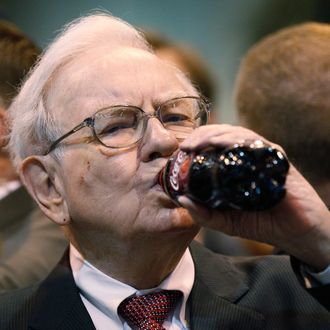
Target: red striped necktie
148	312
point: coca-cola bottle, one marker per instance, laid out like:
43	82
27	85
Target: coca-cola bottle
248	176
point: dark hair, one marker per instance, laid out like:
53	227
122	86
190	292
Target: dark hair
17	54
283	93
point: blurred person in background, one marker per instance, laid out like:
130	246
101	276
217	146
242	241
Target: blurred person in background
30	245
283	93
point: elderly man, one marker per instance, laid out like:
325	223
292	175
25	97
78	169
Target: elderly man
92	127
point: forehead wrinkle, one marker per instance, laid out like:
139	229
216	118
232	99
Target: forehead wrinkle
76	77
184	87
65	97
74	71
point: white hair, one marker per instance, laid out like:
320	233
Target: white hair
33	127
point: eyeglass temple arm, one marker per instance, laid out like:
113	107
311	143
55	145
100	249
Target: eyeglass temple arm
87	122
207	111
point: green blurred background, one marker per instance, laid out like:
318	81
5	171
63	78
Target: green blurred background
221	30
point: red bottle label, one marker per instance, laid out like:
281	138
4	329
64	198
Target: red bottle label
175	176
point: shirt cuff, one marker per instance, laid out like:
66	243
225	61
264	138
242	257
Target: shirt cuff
314	279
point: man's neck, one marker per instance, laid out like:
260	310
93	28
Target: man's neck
142	264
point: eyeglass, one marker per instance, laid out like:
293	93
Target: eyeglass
122	126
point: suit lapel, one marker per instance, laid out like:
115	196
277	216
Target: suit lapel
218	286
58	304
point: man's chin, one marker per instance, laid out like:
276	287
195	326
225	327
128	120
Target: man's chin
178	219
167	218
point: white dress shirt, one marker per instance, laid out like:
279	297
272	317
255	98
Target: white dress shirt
102	294
313	279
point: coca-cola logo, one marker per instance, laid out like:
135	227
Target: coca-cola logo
174	176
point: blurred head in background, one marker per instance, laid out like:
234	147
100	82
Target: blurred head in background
283	93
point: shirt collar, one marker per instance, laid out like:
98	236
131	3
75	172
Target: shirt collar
106	293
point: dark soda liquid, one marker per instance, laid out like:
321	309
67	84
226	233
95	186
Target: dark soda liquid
243	177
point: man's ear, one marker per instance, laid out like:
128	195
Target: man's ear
43	183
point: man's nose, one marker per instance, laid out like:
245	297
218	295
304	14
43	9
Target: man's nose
157	141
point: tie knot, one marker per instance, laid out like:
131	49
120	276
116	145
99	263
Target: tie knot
148	312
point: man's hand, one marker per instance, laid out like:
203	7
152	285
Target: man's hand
299	224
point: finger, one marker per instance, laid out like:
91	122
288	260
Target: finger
197	211
203	134
222	139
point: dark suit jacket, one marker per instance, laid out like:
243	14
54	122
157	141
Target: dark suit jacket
30	244
228	293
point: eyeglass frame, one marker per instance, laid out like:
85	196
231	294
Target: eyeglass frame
90	121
